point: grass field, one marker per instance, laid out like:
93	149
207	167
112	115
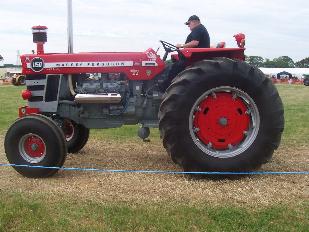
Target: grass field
73	201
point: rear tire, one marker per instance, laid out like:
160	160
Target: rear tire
35	141
221	115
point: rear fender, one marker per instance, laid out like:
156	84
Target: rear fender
193	55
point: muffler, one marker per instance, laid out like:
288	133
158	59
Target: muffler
106	98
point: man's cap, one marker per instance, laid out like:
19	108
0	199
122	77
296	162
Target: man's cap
193	17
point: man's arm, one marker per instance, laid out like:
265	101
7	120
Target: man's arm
192	44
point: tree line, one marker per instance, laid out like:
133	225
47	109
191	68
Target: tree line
280	62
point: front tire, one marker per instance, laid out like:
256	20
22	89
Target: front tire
76	135
35	141
221	115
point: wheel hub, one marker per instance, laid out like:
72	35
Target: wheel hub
32	148
224	121
221	120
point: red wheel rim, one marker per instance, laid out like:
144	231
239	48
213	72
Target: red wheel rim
221	121
32	148
224	122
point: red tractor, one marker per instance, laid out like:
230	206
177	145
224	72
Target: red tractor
219	114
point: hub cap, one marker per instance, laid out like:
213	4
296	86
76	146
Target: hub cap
224	122
32	148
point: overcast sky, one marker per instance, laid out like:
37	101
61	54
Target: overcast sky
273	27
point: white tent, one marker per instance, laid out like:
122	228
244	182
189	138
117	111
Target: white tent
298	72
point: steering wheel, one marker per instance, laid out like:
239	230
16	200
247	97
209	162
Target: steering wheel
168	48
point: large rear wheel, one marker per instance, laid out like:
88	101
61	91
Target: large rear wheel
221	115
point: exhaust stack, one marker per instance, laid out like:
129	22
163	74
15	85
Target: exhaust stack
70	41
70	27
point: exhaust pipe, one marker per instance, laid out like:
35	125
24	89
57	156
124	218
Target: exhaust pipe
70	27
108	98
70	42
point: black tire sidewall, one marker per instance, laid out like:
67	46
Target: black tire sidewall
55	149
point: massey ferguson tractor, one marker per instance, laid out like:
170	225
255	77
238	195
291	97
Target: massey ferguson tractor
219	114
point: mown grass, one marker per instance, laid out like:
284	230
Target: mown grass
26	213
10	100
296	112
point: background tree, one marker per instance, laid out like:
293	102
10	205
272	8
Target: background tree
1	58
255	60
284	62
304	63
269	64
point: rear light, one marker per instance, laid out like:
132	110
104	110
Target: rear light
26	94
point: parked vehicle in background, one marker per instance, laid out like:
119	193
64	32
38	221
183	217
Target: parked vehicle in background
18	79
306	80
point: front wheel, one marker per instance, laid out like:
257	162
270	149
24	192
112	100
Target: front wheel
35	141
76	135
221	115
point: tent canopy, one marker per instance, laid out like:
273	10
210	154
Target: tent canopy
284	73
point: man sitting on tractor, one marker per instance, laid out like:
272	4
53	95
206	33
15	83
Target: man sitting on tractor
198	38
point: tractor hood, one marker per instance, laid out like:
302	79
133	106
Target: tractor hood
136	65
